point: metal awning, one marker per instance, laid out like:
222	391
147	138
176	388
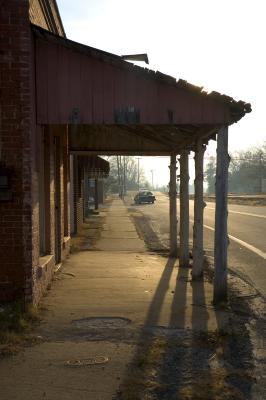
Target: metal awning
114	107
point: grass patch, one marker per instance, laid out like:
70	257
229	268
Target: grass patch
16	324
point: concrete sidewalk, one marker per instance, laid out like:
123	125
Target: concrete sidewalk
101	306
119	233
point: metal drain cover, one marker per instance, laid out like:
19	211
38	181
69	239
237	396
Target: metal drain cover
88	361
164	331
101	322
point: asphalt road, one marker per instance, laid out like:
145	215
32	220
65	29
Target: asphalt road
247	233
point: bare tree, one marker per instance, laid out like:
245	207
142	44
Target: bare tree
124	173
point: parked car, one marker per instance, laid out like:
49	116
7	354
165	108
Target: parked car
143	190
144	196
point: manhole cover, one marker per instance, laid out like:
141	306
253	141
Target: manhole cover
164	331
88	361
101	322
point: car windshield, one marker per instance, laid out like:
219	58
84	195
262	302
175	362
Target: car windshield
145	193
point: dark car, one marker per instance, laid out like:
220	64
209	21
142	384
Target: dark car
144	197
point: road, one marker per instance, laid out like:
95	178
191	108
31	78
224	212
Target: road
246	228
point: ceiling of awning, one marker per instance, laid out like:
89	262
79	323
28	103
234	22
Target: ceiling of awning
137	139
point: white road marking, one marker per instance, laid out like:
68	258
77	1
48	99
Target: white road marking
244	244
239	241
240	212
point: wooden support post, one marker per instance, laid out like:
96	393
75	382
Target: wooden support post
184	210
172	198
199	205
221	238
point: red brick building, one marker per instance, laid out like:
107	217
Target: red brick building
34	162
60	97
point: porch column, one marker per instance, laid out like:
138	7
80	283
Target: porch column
221	238
184	210
199	205
172	198
86	191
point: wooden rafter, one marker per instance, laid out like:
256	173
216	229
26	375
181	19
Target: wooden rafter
202	133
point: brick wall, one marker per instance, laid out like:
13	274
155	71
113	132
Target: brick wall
79	212
16	130
43	273
66	178
77	195
23	273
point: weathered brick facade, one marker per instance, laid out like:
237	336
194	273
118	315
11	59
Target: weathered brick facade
16	215
77	194
53	232
23	147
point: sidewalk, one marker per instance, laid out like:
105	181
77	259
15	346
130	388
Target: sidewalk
105	307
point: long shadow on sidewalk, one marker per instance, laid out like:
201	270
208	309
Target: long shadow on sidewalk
177	363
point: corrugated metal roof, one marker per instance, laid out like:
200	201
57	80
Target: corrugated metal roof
97	166
237	108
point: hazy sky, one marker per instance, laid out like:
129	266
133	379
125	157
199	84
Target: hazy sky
218	44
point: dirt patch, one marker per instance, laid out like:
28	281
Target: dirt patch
143	225
101	322
195	366
89	233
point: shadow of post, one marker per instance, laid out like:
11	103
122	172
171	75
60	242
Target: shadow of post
183	360
166	364
158	298
148	349
201	351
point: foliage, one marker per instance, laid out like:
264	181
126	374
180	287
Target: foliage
246	171
210	175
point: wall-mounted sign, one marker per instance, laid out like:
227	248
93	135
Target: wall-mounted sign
127	115
92	183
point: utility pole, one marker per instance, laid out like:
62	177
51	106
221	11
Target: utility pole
261	172
138	158
119	178
152	178
125	176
